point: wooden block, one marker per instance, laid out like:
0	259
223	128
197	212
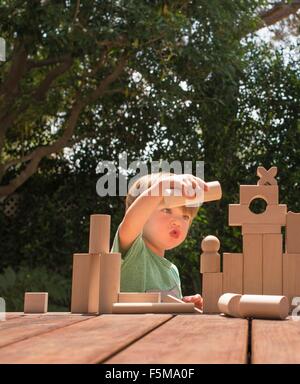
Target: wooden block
261	228
152	308
252	250
291	273
110	276
292	241
267	192
210	262
233	272
267	177
99	234
264	306
240	214
173	299
94	283
137	297
229	304
175	198
80	283
212	289
36	302
272	264
170	299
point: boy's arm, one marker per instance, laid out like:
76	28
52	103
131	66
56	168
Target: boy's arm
137	215
144	205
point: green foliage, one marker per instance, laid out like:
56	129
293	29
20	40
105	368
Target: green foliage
13	284
239	108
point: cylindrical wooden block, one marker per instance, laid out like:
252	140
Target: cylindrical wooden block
264	306
210	262
229	304
153	308
110	275
99	233
214	193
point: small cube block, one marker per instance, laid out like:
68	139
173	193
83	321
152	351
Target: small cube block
36	302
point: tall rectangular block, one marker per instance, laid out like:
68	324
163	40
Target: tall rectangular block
94	283
212	289
292	240
232	273
291	275
99	234
110	276
80	283
272	264
253	263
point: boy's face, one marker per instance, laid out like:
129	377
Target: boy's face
167	228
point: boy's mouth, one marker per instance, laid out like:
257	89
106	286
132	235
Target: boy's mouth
175	233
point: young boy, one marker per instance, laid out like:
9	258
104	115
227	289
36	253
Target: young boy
148	229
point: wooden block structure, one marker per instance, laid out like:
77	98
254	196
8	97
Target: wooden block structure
212	278
266	270
96	281
36	302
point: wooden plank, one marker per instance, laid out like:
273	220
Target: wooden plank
139	297
89	341
272	264
13	315
232	273
252	250
189	339
153	308
275	342
23	327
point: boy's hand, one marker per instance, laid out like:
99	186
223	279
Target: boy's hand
196	299
189	185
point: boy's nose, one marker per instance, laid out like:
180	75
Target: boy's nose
174	223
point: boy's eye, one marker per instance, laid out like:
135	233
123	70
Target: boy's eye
166	210
186	217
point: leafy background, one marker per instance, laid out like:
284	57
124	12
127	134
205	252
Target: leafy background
222	98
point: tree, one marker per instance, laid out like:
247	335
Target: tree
69	62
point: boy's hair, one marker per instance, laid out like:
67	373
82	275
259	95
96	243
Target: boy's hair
144	183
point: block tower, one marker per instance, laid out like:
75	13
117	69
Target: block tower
262	268
96	281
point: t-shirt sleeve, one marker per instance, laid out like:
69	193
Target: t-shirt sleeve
135	250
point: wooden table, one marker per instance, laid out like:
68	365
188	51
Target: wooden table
147	338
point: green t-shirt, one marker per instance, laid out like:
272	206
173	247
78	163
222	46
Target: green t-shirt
144	271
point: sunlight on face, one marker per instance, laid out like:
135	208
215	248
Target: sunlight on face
167	228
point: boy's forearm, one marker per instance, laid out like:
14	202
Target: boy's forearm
142	208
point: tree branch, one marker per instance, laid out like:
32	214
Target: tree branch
17	70
99	91
55	60
280	11
39	153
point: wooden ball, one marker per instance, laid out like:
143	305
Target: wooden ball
210	244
